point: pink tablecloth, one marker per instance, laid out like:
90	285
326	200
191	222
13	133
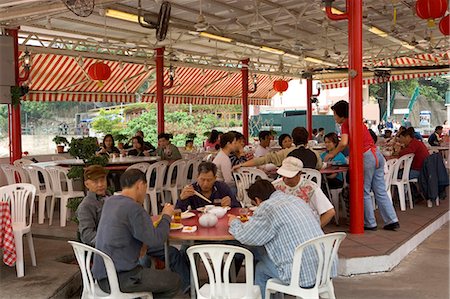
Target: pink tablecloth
7	242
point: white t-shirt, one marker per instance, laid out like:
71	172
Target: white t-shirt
309	192
261	151
224	171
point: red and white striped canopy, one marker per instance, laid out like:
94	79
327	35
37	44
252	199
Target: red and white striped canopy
65	78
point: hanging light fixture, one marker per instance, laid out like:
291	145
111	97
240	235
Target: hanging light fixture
27	60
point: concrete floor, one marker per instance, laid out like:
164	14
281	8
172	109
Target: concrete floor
422	274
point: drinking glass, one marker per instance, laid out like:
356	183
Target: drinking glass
243	214
177	216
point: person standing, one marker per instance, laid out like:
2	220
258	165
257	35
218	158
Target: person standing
373	172
124	227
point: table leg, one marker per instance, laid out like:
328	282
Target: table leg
324	176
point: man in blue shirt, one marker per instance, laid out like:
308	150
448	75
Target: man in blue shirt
124	227
219	193
280	224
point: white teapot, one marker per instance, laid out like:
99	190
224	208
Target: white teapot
208	220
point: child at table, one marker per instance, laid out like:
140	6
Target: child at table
335	180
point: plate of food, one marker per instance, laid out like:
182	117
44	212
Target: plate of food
187	215
175	226
202	209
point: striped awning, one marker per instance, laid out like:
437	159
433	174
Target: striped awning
65	78
330	84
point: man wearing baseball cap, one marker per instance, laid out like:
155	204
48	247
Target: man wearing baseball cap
292	183
90	209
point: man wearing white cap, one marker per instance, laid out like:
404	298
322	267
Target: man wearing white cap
292	183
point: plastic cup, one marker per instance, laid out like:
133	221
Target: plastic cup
177	216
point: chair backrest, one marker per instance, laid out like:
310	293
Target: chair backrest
143	166
33	173
189	171
18	195
178	167
326	248
389	174
56	174
84	255
404	162
217	260
158	170
312	175
244	178
14	174
22	162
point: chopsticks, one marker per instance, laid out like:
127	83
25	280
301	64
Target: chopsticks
201	196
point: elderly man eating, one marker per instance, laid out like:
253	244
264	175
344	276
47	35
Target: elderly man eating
292	183
207	185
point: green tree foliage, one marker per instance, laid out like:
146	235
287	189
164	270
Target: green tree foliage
3	121
108	122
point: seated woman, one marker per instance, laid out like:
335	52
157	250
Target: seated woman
285	141
335	180
139	149
108	146
239	155
212	141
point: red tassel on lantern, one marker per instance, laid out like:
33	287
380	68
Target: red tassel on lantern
430	10
444	25
280	85
99	71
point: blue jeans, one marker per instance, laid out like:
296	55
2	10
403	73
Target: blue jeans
265	269
374	180
178	263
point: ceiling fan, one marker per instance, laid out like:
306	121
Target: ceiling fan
201	24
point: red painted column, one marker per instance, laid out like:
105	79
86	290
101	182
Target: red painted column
159	59
244	72
15	128
355	118
309	94
354	16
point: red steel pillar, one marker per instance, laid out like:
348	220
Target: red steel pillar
244	72
159	59
354	16
15	129
309	94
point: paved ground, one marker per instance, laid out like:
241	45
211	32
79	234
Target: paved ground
422	274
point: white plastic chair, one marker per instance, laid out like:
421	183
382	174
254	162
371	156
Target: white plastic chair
91	289
159	168
143	166
312	175
173	187
244	178
326	247
190	165
389	175
22	162
43	190
56	175
402	183
14	174
18	196
219	286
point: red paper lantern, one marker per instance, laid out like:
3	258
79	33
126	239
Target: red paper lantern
431	9
99	71
280	85
444	25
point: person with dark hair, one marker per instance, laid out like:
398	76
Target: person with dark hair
264	142
335	180
239	155
212	141
124	227
314	132
148	146
189	146
223	162
373	135
373	172
207	185
300	138
139	149
416	147
166	150
292	183
280	223
285	141
435	138
108	146
320	136
310	158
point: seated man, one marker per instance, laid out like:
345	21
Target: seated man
310	158
435	138
291	183
280	224
90	209
166	150
124	227
207	185
264	142
416	147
